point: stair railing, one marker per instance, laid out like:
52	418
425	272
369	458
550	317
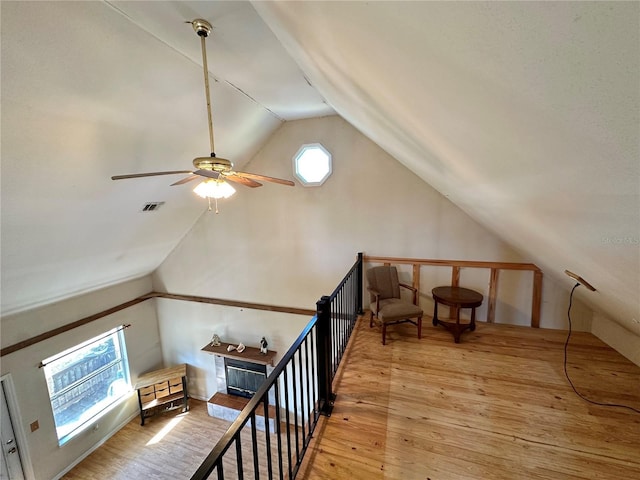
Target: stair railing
282	415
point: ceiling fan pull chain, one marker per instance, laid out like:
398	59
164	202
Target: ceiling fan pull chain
216	200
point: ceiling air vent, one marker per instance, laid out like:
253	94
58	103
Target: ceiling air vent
152	206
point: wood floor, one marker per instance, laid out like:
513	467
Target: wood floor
495	406
172	446
169	446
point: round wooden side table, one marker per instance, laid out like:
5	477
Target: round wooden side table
456	297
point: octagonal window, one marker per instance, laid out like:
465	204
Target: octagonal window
312	164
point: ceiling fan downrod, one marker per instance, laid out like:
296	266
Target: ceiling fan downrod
203	29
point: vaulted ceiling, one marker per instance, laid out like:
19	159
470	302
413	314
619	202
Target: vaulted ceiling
524	114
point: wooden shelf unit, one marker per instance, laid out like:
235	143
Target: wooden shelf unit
162	390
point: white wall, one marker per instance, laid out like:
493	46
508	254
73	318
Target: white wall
610	332
283	245
143	347
289	246
186	327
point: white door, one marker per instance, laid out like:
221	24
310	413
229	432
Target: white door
11	463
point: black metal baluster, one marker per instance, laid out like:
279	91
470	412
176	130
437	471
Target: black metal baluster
340	344
288	424
314	358
335	311
360	283
334	338
267	436
220	470
309	399
295	407
340	308
276	392
254	442
239	457
302	407
338	314
347	313
352	304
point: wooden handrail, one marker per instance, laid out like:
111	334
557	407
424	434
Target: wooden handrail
456	265
453	263
187	298
70	326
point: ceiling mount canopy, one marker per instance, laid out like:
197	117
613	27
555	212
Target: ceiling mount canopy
201	27
215	170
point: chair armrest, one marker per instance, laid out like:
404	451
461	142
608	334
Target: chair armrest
376	294
413	289
373	291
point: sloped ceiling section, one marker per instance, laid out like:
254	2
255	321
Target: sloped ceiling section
95	89
524	114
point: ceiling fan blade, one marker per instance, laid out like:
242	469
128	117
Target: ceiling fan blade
207	173
232	177
264	178
185	180
150	174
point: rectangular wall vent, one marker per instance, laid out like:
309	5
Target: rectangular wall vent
152	206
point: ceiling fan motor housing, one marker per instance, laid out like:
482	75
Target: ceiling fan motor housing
212	163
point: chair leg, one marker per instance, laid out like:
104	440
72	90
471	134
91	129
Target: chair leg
384	333
419	328
371	319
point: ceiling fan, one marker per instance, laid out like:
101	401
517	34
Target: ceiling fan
215	170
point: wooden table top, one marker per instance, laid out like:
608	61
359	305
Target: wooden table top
457	296
161	375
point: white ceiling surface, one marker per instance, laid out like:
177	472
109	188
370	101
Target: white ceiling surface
95	89
524	114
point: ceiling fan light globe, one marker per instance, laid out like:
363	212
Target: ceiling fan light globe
214	189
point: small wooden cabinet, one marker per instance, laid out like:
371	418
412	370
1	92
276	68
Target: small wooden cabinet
162	390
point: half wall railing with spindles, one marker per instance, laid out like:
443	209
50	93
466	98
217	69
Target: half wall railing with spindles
270	436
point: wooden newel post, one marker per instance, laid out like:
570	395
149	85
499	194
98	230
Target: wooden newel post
360	283
323	332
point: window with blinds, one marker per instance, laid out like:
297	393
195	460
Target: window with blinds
86	381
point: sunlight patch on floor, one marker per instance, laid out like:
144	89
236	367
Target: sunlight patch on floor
165	430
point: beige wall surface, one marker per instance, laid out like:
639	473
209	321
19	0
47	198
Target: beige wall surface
48	460
186	327
624	341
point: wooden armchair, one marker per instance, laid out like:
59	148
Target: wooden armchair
387	308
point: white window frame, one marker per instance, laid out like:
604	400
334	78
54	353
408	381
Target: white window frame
81	374
300	153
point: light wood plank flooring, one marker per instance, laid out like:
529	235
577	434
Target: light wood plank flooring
169	446
172	446
496	406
